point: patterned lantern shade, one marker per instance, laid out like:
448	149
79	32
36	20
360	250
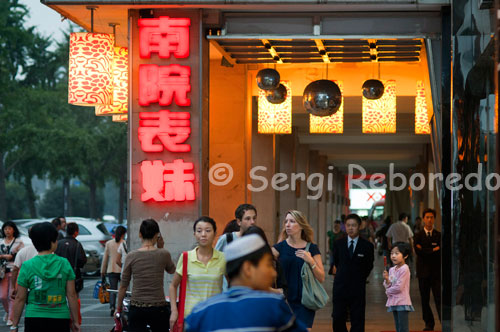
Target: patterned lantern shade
379	115
421	116
90	80
120	85
333	124
275	118
120	117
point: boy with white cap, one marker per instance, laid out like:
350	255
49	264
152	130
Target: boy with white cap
247	305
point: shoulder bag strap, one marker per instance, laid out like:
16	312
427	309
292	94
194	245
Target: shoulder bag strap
182	292
308	245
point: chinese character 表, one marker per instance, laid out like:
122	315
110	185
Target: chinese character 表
171	128
160	84
164	35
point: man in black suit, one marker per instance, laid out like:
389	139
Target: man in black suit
353	258
428	249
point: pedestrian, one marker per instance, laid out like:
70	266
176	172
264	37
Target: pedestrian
333	235
109	268
280	285
353	258
384	242
146	266
10	245
25	254
366	231
60	224
419	225
397	287
231	226
122	252
247	305
205	270
428	250
72	250
246	216
51	300
292	255
400	232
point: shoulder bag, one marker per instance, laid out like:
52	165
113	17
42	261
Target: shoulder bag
179	325
314	296
3	262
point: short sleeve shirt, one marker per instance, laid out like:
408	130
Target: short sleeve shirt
24	255
45	277
399	232
292	267
203	280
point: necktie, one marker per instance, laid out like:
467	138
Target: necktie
428	234
351	249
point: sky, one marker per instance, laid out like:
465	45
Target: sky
46	20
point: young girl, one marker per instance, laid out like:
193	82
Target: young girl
397	287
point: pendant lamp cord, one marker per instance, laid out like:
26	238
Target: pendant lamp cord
92	8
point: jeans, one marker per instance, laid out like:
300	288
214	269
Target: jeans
114	279
401	321
158	319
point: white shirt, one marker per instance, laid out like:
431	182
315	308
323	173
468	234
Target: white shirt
123	252
349	239
24	255
428	233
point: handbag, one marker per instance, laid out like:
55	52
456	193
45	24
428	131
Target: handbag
314	296
103	293
179	325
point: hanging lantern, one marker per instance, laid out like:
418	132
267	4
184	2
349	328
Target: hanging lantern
268	79
276	96
120	118
373	89
333	124
421	114
120	85
379	116
90	81
322	98
275	118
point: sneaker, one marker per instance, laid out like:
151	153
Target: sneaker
9	322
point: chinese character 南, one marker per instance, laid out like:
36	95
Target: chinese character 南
164	35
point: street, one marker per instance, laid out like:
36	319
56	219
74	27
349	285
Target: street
95	316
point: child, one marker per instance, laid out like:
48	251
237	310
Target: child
246	305
397	286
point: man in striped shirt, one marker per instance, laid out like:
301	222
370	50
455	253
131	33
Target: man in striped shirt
247	306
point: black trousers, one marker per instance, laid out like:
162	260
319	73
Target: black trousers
356	306
114	279
158	319
46	325
425	286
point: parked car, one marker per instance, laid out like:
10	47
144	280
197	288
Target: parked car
93	236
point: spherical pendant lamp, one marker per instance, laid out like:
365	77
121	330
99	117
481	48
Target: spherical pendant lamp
268	79
373	89
322	98
276	96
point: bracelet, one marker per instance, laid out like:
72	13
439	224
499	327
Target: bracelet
312	267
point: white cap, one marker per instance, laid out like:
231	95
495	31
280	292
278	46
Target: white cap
243	246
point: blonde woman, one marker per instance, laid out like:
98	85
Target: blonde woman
292	255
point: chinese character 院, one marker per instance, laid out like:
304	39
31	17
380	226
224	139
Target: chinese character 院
161	84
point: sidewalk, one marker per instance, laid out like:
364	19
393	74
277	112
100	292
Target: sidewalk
377	317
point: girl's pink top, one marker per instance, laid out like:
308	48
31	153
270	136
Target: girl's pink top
398	289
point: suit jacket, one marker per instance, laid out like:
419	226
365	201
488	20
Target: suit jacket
428	261
352	273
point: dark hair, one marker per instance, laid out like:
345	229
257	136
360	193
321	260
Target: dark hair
388	220
43	235
403	248
428	210
72	228
10	224
256	230
61	218
231	226
56	222
240	210
337	221
149	228
119	231
403	216
205	219
233	268
353	216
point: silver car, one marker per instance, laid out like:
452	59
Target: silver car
93	236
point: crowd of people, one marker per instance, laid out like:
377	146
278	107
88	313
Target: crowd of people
271	284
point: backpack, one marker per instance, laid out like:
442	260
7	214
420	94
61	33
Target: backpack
229	237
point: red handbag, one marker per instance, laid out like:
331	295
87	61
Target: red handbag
179	325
